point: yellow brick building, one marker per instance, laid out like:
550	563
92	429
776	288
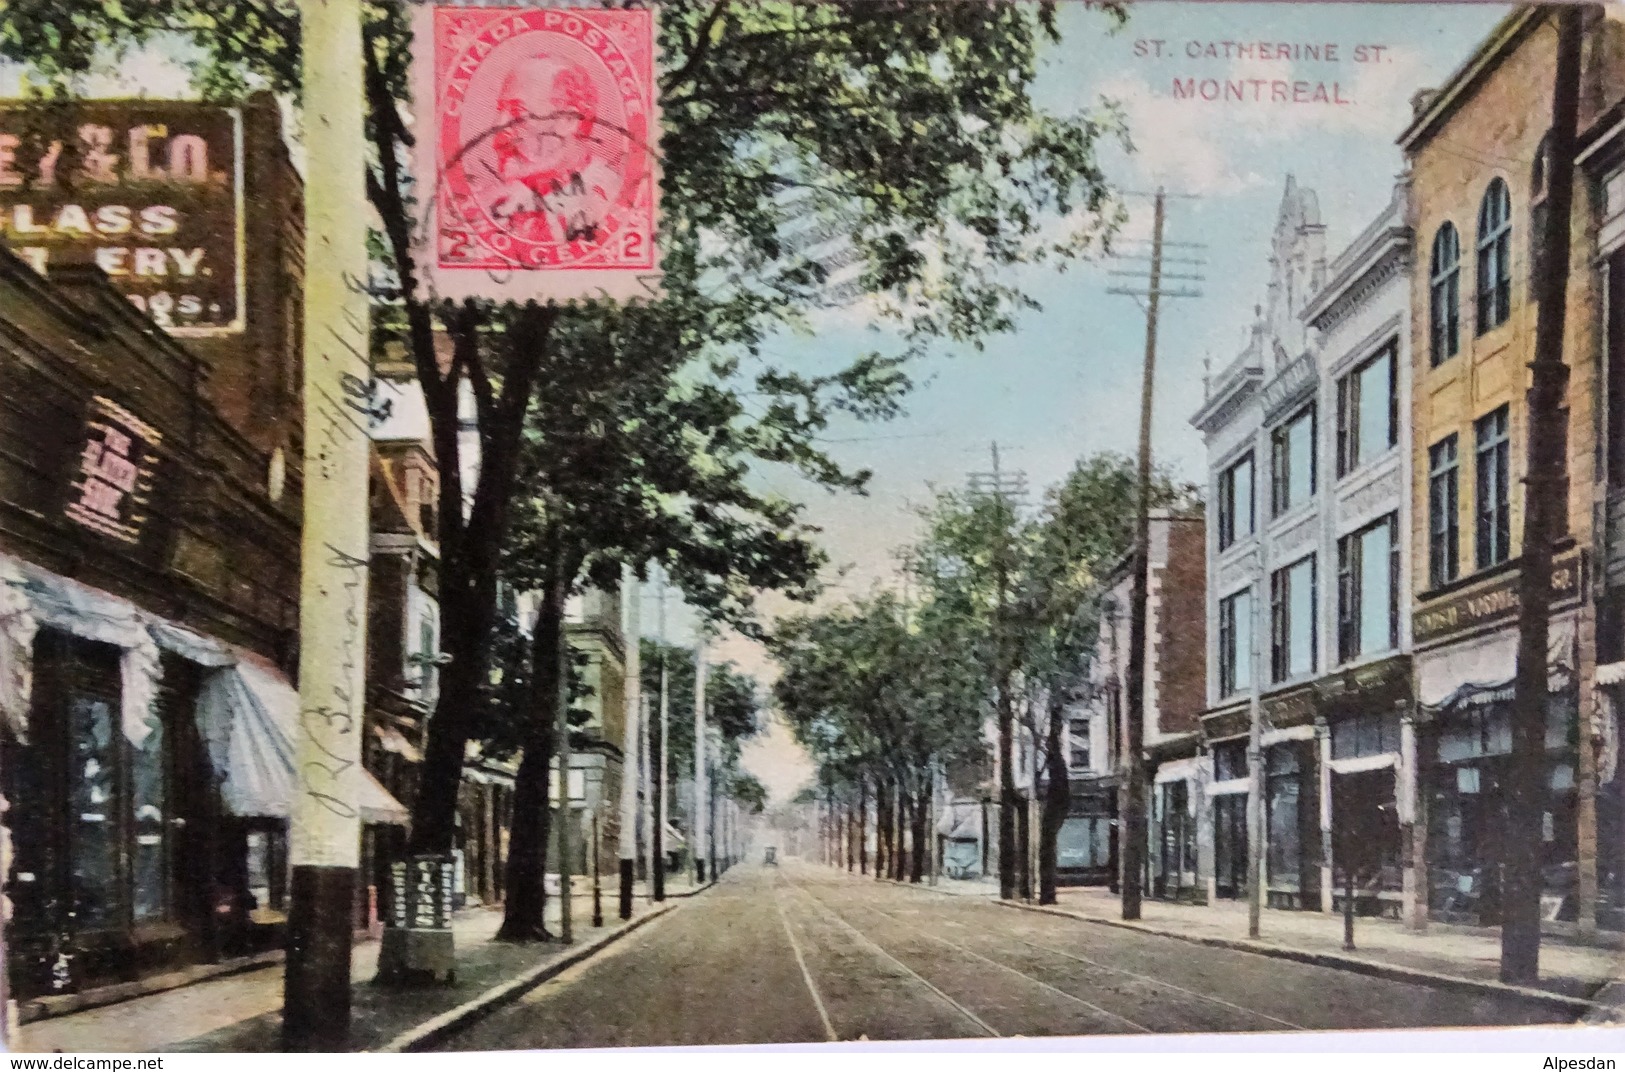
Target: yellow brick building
1477	171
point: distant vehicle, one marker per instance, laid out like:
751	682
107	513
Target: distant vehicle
771	857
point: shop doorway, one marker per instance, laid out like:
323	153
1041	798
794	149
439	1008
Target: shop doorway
1230	845
1365	840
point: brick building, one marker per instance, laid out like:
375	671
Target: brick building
1087	850
1475	217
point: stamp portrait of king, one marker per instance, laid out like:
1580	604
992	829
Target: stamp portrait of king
544	140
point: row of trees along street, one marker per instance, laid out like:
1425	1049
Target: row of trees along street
628	434
889	692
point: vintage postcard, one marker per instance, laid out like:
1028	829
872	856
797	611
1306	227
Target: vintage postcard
545	524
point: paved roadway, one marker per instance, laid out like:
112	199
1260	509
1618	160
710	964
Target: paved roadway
806	954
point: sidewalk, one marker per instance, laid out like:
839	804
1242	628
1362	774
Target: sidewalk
242	1013
1381	946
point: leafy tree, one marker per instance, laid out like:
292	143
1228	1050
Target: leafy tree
909	125
867	691
748	792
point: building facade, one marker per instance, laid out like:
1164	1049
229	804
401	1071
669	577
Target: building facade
1308	503
1087	849
1475	221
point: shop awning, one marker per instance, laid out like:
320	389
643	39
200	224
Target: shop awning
249	715
1487	664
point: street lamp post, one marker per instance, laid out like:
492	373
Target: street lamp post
1255	756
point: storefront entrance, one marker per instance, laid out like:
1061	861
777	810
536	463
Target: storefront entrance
1467	818
1086	846
1175	877
1230	845
106	878
1365	841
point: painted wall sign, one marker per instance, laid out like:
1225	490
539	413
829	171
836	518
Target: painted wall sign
113	479
1374	686
1494	603
151	192
538	139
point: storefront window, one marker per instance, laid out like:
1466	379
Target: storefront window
1084	843
93	806
1372	733
1229	761
1466	821
1284	785
149	800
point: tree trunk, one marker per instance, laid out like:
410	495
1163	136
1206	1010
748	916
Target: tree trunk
1057	801
524	911
470	550
904	849
863	826
1024	835
1544	483
851	837
921	817
883	840
1007	795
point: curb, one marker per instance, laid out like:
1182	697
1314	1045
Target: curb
1378	969
470	1012
39	1010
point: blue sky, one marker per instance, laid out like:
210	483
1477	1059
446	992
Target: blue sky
1066	383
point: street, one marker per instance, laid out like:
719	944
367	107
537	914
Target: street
804	954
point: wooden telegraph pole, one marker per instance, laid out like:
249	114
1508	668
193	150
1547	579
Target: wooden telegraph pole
567	814
325	841
1544	482
1131	807
631	746
697	828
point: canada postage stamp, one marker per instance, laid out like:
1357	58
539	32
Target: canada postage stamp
539	161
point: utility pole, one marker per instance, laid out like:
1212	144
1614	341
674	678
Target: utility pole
632	690
658	875
325	835
1544	507
1255	753
647	784
597	883
1002	487
567	814
697	828
1131	809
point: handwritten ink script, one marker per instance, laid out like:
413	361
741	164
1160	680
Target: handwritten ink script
114	477
542	155
1262	72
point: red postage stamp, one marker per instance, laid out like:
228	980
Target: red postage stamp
540	153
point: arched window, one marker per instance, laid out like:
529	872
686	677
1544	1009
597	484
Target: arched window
1494	257
1444	295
